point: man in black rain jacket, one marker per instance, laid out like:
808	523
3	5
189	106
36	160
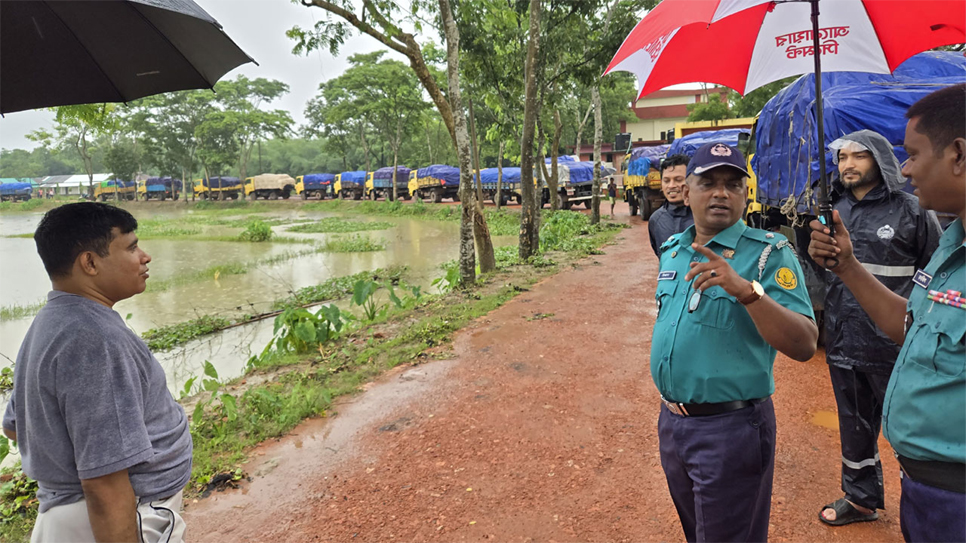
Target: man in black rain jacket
892	237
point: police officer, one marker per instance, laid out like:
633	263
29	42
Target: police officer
674	216
891	236
924	411
729	296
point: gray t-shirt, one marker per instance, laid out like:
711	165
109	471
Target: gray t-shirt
89	399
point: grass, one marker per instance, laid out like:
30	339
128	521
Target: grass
167	337
353	244
330	225
18	311
337	287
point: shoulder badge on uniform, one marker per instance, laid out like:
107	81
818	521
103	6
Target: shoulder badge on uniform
670	241
786	278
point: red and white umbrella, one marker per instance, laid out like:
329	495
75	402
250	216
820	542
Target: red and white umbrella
744	44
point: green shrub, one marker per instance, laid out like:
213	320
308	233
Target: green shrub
256	231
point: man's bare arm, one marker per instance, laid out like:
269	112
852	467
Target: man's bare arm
790	333
886	308
112	508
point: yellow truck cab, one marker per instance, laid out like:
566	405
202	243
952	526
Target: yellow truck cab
413	184
747	146
369	186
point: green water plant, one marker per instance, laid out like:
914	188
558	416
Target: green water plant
165	338
257	231
329	225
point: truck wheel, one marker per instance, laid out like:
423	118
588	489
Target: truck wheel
103	198
456	197
647	209
286	195
273	195
633	203
305	195
588	203
437	196
356	195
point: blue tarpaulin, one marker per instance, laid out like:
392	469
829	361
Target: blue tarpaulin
161	184
449	175
382	177
511	176
639	166
9	189
786	135
317	180
221	182
356	177
652	152
687	145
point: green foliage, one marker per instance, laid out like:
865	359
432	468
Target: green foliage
18	502
167	337
363	295
572	232
338	287
18	311
256	231
712	110
451	280
353	244
6	385
165	228
298	330
339	225
750	105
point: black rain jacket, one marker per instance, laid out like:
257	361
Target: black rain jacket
892	237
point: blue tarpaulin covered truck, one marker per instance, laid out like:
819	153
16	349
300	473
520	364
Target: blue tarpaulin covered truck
575	182
642	179
350	184
379	183
159	188
314	184
435	182
510	185
15	192
784	145
786	133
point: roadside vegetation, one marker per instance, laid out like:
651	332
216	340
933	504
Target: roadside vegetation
329	225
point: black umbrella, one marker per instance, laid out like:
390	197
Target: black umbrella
63	52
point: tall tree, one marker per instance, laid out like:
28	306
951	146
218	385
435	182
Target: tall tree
529	233
77	126
331	33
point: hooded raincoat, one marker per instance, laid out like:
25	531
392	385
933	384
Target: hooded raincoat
892	237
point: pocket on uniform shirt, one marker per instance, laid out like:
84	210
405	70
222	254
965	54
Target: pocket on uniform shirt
716	309
950	336
665	291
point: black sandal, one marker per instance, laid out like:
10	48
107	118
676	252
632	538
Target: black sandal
845	513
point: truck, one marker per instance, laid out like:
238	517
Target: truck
15	192
575	182
314	184
159	188
379	183
350	184
642	179
435	182
784	142
511	184
270	186
218	188
107	190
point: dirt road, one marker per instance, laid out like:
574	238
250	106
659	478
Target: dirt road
543	427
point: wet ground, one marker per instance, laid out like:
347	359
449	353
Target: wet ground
536	430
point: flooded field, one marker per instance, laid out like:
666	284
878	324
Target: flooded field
422	245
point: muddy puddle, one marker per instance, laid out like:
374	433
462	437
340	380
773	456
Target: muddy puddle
420	244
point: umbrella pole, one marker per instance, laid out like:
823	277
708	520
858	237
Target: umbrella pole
824	203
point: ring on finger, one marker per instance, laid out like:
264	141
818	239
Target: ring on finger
714	273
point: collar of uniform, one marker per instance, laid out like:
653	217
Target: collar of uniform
728	237
953	236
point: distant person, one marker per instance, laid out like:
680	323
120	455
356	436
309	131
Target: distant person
612	195
674	216
729	298
892	237
91	412
924	410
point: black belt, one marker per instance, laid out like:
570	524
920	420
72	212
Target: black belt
707	409
949	476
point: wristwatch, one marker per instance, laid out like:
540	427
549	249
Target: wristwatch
756	293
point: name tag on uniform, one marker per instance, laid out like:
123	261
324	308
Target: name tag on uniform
922	279
667	275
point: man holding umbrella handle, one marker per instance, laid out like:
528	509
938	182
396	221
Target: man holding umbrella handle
924	410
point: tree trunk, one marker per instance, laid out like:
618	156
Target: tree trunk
484	244
550	177
365	144
467	261
529	234
598	136
395	160
580	128
499	178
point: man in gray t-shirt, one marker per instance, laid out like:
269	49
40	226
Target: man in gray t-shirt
91	412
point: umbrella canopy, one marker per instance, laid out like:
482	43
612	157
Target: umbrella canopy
63	52
744	44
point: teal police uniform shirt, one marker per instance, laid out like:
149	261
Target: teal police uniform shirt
715	353
924	412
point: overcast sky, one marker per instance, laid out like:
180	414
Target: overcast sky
258	27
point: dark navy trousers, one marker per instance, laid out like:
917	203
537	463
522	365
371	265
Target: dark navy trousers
929	514
719	470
